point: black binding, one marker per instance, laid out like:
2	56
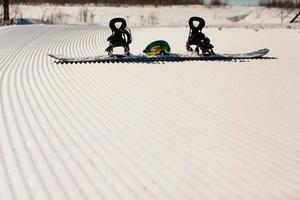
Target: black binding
197	38
121	37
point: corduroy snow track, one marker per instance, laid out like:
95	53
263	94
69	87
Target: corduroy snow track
137	131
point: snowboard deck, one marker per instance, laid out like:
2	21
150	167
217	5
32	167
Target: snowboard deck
259	54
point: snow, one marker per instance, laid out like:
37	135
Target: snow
155	16
188	130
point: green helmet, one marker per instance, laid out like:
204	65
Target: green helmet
158	47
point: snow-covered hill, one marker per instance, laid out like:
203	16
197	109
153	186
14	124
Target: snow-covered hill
191	130
156	16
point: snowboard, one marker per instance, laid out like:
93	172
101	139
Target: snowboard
143	58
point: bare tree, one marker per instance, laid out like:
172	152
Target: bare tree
217	3
6	10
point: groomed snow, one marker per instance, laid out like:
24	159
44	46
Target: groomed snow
189	130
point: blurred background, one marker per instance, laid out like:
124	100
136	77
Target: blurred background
151	12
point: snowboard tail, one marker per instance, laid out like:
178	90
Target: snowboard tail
259	54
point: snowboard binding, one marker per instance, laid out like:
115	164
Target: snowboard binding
121	37
197	38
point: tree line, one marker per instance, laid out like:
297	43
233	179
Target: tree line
109	2
123	2
280	3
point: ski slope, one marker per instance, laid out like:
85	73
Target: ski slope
187	130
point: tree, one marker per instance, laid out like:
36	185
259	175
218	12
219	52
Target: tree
6	10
